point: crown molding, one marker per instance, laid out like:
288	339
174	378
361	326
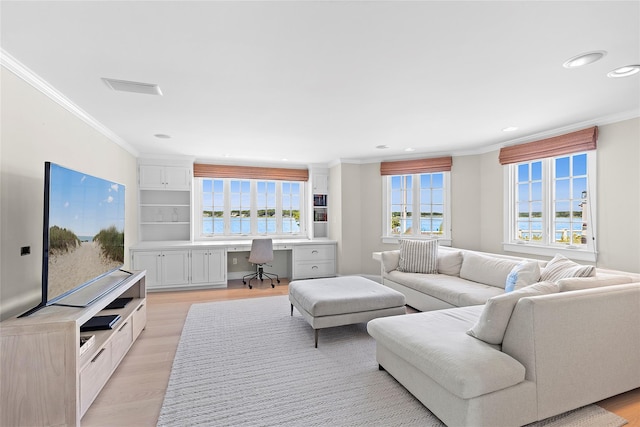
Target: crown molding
26	74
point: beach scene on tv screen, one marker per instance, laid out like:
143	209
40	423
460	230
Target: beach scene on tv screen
86	229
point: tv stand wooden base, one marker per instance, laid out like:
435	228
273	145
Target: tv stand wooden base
45	378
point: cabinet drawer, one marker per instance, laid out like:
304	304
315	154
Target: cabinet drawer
122	339
306	270
139	319
318	252
94	376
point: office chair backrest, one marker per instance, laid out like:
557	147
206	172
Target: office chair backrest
261	251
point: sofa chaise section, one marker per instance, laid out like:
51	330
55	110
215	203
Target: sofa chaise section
560	351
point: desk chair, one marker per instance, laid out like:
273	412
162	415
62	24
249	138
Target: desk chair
261	253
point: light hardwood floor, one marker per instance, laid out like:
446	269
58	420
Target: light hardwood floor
134	394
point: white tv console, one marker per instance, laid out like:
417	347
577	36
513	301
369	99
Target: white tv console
46	380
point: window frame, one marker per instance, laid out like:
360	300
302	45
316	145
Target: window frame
445	237
548	247
253	183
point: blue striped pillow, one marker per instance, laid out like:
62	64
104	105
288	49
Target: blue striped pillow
418	256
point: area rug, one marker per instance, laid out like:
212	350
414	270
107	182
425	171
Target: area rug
249	363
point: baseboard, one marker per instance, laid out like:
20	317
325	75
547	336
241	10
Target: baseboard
237	275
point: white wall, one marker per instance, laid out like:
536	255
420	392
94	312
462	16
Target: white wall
619	196
36	129
478	207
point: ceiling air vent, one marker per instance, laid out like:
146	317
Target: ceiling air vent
136	87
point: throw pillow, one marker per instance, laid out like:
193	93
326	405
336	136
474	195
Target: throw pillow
449	262
524	274
418	256
494	319
561	267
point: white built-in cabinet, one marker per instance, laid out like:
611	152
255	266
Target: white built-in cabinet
182	268
208	266
162	177
165	201
314	261
165	269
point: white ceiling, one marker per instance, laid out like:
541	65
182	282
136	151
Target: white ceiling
320	81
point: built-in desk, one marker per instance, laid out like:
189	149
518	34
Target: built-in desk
203	264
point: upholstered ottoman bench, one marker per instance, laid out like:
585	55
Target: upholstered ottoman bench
345	300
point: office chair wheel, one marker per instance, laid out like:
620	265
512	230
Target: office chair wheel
278	280
250	287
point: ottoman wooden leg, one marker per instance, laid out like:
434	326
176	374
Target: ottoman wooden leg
292	309
316	336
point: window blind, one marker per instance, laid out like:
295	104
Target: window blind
202	170
408	167
582	140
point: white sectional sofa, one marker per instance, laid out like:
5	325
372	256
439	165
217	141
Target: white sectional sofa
465	277
525	355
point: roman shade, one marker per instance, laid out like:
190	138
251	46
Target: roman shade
202	170
582	140
408	167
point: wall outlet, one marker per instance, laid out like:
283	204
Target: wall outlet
234	260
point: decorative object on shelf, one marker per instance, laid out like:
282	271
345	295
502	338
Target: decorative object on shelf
86	341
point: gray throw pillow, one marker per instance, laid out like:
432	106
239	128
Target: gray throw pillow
418	256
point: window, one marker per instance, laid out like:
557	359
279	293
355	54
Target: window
417	205
550	205
243	207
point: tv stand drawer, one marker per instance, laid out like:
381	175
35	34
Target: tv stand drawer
94	376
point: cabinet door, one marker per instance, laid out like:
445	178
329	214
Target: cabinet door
177	178
152	177
320	184
200	266
217	266
208	266
175	267
149	261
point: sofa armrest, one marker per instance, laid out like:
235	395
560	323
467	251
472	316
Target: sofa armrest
390	260
579	347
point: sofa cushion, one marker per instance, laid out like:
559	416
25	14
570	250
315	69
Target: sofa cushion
418	256
450	289
495	316
486	269
524	274
449	262
561	267
579	283
435	343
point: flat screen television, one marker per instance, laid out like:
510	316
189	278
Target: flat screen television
83	237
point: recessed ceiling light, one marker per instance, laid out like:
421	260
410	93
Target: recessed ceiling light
135	87
510	129
162	136
382	147
285	160
584	59
409	149
626	71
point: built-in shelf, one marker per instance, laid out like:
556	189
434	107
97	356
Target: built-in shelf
165	202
